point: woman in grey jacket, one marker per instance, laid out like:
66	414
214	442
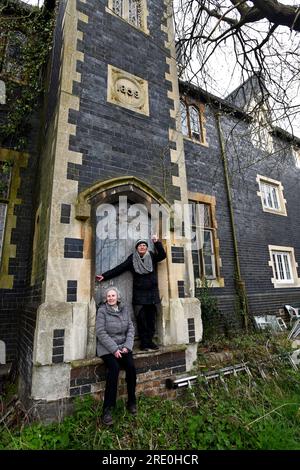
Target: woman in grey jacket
115	337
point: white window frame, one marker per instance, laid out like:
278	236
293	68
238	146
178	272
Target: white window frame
271	194
125	13
284	266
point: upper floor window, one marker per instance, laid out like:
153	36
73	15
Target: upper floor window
296	154
132	11
271	193
192	121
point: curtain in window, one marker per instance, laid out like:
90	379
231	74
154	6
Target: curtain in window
270	196
195	123
203	253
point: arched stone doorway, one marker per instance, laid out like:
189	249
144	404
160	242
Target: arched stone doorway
121	211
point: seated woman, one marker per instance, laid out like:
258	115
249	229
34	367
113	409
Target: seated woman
115	336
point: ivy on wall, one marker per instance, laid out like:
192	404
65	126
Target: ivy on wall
25	45
5	171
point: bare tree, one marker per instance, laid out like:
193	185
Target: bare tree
257	38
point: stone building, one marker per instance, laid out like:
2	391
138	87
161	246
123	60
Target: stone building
122	136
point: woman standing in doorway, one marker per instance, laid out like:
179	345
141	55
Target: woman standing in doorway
142	263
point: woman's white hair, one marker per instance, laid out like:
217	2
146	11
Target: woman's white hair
108	290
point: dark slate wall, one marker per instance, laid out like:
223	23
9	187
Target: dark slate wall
33	294
116	141
18	306
12	300
205	175
255	228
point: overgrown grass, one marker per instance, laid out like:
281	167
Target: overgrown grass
249	413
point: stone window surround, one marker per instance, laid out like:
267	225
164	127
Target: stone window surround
282	202
144	15
20	160
187	102
211	200
294	265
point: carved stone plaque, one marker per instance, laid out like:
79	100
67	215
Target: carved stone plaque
127	90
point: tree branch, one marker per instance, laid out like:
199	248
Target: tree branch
278	13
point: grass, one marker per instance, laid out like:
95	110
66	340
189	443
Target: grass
247	414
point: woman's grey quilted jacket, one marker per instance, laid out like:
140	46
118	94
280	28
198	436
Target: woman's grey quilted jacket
114	330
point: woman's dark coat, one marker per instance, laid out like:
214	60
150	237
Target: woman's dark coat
145	286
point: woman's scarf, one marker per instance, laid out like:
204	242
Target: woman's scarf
113	310
142	265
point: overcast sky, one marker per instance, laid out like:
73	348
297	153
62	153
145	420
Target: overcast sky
34	2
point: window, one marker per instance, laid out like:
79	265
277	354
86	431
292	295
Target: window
282	267
260	129
192	121
271	194
283	263
296	154
203	242
11	58
5	180
132	11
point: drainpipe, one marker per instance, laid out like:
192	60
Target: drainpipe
240	283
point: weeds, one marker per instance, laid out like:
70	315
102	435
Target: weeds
243	413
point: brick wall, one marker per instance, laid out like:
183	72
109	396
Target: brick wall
152	371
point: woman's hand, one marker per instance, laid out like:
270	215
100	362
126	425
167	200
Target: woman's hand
99	277
118	354
124	351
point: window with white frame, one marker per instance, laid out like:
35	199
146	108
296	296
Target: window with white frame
132	11
271	193
282	266
283	263
203	246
